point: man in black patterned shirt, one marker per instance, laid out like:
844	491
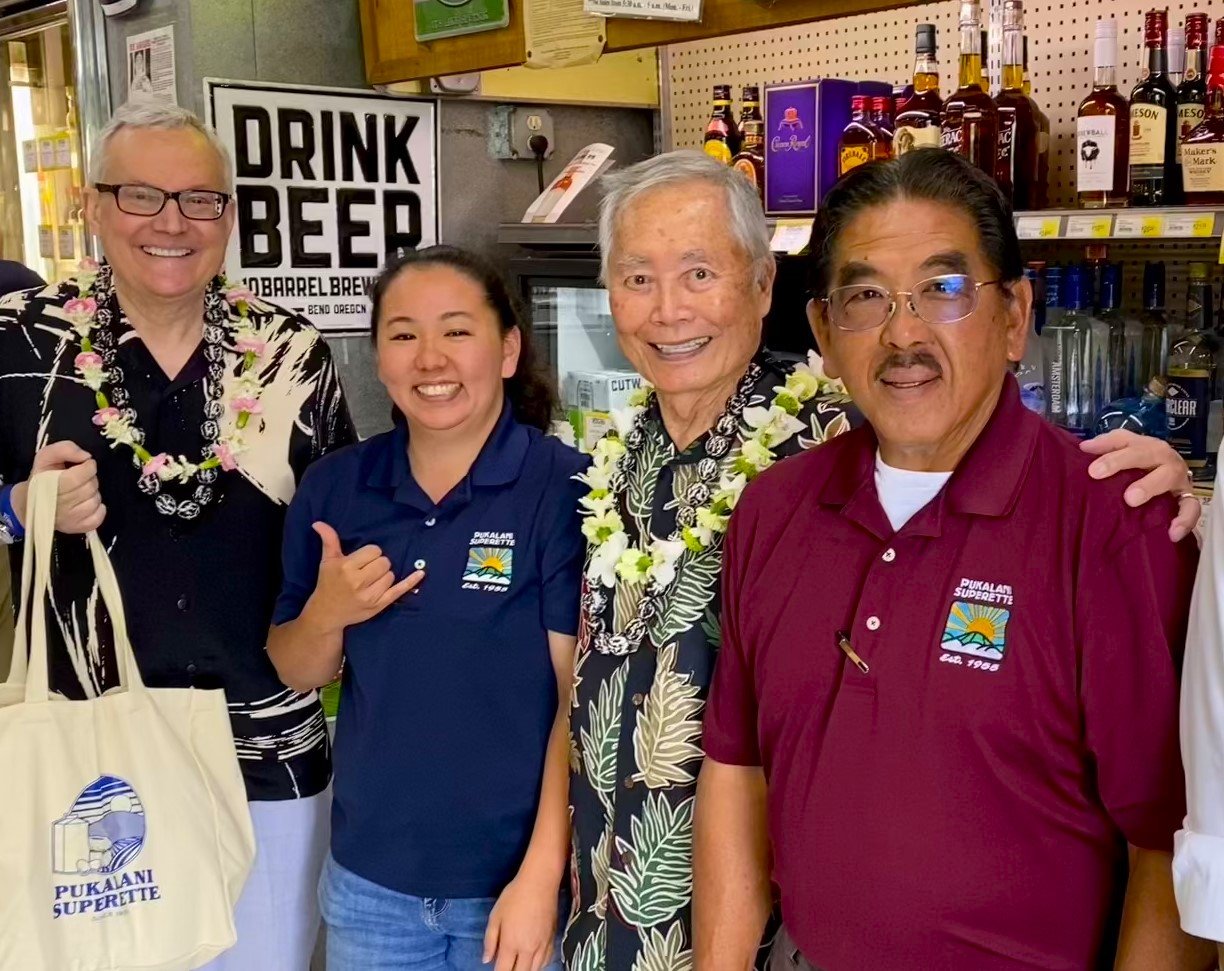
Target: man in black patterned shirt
214	405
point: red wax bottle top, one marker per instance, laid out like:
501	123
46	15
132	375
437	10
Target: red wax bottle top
1155	28
858	102
1196	30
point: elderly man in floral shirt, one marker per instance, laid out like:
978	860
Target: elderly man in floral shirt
690	275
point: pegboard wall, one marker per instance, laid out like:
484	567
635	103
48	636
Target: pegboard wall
880	46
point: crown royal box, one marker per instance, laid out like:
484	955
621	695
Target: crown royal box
803	124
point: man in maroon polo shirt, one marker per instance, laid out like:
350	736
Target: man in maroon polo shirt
947	689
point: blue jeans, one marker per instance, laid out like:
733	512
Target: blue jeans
371	928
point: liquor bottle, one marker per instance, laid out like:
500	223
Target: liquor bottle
1191	374
1155	178
1192	92
1203	148
1030	370
1020	143
882	122
1089	379
1058	350
901	93
1103	131
1025	85
1154	344
918	119
1177	55
969	124
858	138
1125	335
750	162
1143	414
721	135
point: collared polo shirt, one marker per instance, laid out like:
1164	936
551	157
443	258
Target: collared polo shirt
966	802
449	695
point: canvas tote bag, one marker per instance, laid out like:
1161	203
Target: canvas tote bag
125	836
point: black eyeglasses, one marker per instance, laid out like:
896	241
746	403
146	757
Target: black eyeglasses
943	299
145	200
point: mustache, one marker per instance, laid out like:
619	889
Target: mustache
907	359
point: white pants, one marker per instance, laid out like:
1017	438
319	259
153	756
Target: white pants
278	913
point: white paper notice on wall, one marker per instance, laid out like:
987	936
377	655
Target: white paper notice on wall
331	184
655	9
150	66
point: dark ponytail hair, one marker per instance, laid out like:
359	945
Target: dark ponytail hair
529	390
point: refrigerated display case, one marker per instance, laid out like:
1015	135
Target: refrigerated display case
556	272
41	169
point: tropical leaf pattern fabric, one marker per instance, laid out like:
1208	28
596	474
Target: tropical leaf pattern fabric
636	724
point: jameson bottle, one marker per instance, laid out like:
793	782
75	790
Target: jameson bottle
1155	177
969	124
1192	92
918	118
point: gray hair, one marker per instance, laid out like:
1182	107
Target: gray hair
745	217
157	115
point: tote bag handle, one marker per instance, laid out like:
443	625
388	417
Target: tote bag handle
41	503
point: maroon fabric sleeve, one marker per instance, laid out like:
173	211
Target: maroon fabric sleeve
1132	609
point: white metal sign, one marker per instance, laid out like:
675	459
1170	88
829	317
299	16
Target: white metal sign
330	184
658	9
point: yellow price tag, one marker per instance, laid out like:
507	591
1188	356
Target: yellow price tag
1221	258
1050	227
1152	226
1089	227
1203	225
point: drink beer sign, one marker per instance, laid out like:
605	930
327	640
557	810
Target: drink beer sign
330	184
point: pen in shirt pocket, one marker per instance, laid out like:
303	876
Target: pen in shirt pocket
843	641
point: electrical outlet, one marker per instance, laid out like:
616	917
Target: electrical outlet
526	122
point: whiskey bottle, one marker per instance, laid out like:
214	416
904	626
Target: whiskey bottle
881	121
858	138
1192	92
1192	373
721	135
918	119
1203	148
750	162
1102	131
1020	142
969	124
1177	55
1155	178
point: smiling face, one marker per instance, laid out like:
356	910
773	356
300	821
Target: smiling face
165	256
685	297
441	353
927	389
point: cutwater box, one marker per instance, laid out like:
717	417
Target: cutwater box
601	390
803	124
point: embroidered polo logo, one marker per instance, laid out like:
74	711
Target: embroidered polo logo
976	631
490	562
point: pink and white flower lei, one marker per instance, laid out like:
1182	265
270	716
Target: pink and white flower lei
241	393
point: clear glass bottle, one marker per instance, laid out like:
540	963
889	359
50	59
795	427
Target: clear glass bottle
1125	335
1154	346
1058	349
1030	370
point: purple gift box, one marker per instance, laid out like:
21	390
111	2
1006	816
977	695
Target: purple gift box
803	123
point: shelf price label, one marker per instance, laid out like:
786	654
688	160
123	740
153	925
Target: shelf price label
1137	225
791	236
1038	227
1089	227
1189	224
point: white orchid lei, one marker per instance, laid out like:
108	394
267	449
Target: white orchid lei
612	555
118	425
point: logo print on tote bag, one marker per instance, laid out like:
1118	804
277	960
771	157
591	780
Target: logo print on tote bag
102	832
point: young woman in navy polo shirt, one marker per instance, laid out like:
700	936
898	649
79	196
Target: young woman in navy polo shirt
440	562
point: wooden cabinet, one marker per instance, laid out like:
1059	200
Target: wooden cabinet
392	52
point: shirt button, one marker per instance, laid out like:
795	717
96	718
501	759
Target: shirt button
419	565
629	782
638	699
889	556
873	623
181	603
191	668
430	521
